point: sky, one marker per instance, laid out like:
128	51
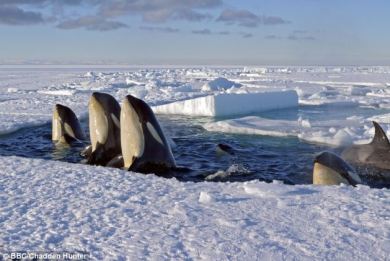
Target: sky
195	32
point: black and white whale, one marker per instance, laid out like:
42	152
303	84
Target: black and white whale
330	169
376	153
104	129
66	127
144	146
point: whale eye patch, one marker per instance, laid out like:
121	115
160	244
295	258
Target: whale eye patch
154	133
115	120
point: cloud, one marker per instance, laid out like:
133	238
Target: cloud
223	33
246	35
159	29
273	20
22	2
44	2
248	19
91	23
299	32
204	32
300	35
209	32
158	11
293	37
100	14
272	37
191	15
11	15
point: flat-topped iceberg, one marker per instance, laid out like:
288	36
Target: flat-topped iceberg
231	104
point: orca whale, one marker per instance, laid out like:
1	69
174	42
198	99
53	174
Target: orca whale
144	146
376	153
66	127
104	129
330	169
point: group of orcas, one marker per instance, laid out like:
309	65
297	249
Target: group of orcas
130	137
127	136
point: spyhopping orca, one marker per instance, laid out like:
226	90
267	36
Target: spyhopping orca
144	146
104	128
65	126
329	169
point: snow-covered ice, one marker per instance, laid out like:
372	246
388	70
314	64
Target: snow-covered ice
330	132
219	84
231	104
118	215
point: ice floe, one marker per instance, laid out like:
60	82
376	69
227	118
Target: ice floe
231	104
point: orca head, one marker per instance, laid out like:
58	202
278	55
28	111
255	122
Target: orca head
104	113
330	169
65	125
140	131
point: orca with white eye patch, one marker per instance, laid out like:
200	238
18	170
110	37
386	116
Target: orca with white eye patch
144	146
104	128
330	169
66	127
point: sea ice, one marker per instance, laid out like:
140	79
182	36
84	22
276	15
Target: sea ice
116	215
230	104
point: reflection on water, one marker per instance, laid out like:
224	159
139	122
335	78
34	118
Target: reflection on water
256	157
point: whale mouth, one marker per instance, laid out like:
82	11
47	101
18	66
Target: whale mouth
132	136
98	123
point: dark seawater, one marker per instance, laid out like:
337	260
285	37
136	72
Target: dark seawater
255	157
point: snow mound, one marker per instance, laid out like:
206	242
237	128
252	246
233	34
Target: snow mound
205	198
231	104
118	215
219	84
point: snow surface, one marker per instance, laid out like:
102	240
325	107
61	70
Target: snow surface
231	104
118	215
